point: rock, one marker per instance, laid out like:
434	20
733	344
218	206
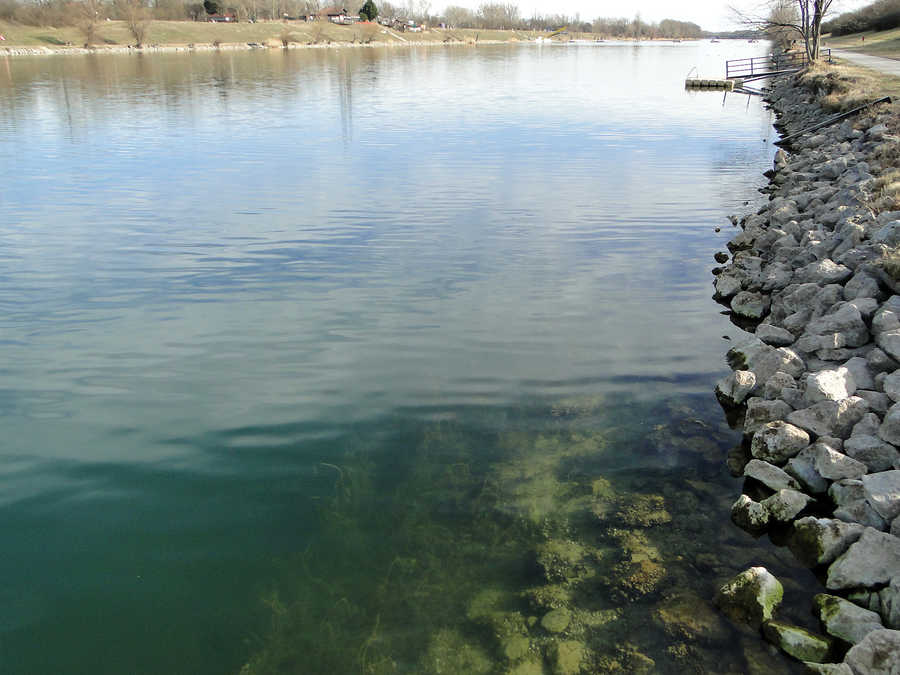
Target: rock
750	305
867	426
877	654
873	452
877	401
819	541
876	132
567	657
769	475
733	389
835	465
860	511
862	285
760	412
803	468
888	316
846	491
883	493
871	561
842	619
889	234
879	362
749	515
830	418
774	386
785	504
890	428
798	642
721	257
829	385
859	369
828	668
840	327
775	336
889	341
777	442
750	597
823	272
889	599
727	286
890	385
557	620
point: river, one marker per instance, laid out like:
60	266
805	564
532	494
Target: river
363	360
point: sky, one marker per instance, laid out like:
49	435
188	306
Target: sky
709	14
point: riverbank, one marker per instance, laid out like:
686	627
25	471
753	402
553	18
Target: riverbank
815	274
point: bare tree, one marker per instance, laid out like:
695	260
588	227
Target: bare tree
88	22
136	16
802	18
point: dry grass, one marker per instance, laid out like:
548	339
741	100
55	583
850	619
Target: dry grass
841	87
884	43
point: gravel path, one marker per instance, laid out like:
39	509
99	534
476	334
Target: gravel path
882	65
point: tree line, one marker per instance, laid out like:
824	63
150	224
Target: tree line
880	15
489	15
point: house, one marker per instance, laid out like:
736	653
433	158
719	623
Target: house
339	15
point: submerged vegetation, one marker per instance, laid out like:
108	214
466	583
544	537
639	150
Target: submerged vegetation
564	539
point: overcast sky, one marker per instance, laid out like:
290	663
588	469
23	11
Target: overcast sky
709	14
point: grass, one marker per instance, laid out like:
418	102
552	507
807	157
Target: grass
883	43
270	33
843	86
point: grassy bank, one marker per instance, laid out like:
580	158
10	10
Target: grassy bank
116	34
843	86
884	43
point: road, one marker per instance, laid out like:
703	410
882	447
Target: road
882	65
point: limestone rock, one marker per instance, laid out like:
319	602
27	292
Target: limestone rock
774	386
846	491
785	504
829	385
750	305
798	642
819	541
835	465
873	452
828	668
860	511
830	418
769	475
750	597
777	442
877	654
733	389
870	561
862	376
844	620
749	515
889	599
775	336
883	493
823	272
760	412
889	341
803	468
868	425
727	286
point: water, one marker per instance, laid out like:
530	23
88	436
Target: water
365	361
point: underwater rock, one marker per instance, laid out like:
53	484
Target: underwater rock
557	620
560	560
750	597
798	642
687	616
567	657
635	579
643	511
749	515
515	647
844	620
550	596
532	666
449	653
785	504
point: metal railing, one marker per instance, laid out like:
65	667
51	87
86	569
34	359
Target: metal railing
764	66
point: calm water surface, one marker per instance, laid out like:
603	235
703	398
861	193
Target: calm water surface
307	354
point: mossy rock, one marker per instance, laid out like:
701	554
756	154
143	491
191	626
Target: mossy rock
798	642
567	657
449	654
551	596
515	647
557	620
687	616
750	597
643	511
561	559
634	580
533	666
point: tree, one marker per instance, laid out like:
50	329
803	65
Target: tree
211	6
136	17
368	12
802	18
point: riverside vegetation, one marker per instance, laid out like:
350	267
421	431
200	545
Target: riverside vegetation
815	274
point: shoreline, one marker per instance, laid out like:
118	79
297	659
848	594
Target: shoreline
816	392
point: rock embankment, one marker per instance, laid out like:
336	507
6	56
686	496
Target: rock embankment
814	275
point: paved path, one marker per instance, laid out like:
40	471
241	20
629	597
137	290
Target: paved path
882	65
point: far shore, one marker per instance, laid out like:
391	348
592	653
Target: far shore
113	37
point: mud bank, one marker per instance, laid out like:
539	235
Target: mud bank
814	275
